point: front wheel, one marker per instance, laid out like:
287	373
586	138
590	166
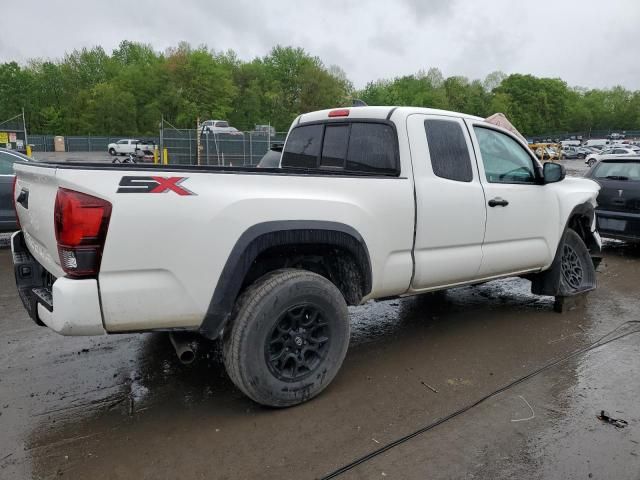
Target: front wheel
577	272
581	156
112	152
288	338
591	161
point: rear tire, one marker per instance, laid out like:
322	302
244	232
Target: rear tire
288	338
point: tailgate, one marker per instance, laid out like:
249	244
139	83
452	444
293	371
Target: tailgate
38	186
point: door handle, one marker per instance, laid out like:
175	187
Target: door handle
498	202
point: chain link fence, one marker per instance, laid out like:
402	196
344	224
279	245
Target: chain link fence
195	147
79	143
183	145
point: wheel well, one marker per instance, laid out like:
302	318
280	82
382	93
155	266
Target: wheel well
581	224
333	250
336	264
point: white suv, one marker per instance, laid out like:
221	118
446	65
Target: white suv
612	152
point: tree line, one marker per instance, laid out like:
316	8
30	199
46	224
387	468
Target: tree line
89	91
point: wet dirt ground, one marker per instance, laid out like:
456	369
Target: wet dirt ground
120	407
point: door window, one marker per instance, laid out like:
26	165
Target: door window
504	159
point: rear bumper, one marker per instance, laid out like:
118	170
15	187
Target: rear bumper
619	225
69	307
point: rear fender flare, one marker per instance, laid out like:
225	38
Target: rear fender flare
263	236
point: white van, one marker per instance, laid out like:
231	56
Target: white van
593	142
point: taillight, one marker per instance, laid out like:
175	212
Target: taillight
15	206
341	112
81	223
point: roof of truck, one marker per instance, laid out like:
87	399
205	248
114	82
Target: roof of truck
381	112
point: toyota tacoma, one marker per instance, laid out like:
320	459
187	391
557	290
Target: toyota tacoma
367	203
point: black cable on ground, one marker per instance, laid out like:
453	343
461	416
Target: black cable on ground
598	343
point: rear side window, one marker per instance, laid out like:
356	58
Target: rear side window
448	150
303	147
366	147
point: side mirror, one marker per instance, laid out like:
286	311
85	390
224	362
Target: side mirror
553	172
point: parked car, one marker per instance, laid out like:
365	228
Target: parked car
369	203
546	151
592	158
8	158
129	145
584	151
577	152
219	127
618	210
271	159
569	152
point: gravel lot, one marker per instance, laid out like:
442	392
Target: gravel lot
120	407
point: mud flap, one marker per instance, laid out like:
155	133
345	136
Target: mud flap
551	281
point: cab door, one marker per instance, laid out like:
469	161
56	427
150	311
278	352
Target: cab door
523	215
450	202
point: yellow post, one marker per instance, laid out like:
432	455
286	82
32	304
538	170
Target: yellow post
165	156
155	156
28	150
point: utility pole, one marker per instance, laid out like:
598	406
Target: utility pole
198	145
24	127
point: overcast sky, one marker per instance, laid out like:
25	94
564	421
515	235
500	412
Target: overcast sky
588	43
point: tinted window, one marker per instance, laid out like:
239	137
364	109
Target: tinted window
504	159
448	150
334	147
618	170
303	147
222	124
372	148
355	147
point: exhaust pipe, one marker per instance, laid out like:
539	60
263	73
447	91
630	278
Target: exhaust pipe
183	349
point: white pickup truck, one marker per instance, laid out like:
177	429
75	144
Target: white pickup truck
129	145
368	203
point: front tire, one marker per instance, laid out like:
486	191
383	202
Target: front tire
577	272
112	152
288	338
